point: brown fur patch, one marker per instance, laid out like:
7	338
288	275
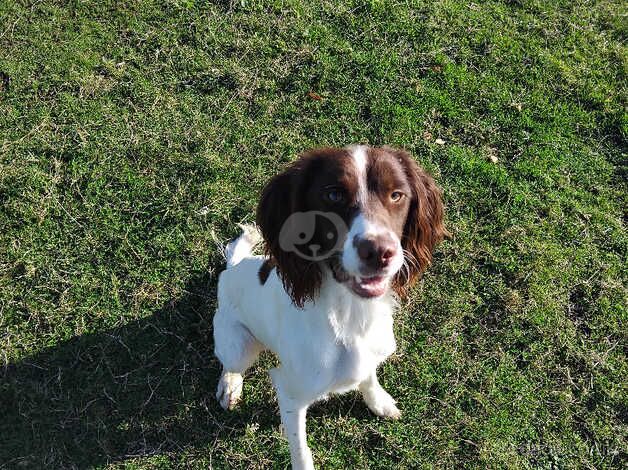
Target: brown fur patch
265	270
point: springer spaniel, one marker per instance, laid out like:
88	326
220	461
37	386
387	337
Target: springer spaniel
345	231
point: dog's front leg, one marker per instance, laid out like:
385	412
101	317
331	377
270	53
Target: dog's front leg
377	399
293	420
293	412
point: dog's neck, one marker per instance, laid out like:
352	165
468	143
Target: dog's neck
350	315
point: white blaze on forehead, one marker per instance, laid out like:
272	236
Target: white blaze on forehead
360	159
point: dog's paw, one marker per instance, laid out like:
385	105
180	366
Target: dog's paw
382	404
229	390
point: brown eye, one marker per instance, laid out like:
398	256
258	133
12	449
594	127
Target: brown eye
396	196
334	195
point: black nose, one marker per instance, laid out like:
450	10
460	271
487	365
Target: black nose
376	252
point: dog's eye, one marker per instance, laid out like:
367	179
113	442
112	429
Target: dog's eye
396	196
334	195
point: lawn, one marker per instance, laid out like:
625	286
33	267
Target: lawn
135	135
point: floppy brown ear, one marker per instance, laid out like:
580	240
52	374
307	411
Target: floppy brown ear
283	196
424	227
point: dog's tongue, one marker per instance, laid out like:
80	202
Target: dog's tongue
369	286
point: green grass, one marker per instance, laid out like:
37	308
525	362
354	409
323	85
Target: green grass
135	134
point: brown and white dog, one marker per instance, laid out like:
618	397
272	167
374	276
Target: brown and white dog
344	230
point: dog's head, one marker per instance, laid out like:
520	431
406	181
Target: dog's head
372	215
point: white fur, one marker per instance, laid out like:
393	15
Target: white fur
332	345
358	154
242	247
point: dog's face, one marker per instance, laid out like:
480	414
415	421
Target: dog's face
370	214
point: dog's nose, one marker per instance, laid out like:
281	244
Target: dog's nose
377	252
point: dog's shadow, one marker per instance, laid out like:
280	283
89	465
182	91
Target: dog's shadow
143	388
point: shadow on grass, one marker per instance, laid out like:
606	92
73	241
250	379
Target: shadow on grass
144	388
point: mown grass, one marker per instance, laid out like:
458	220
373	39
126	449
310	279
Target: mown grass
134	134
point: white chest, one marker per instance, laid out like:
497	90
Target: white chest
356	361
336	343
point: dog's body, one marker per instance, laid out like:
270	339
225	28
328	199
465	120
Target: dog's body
327	318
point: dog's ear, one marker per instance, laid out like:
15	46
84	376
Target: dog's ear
424	227
283	196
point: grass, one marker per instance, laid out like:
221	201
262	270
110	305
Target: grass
133	134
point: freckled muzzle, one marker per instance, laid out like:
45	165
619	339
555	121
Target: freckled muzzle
376	254
372	255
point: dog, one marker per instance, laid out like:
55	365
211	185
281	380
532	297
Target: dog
346	232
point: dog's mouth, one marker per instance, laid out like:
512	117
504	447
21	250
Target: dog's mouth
369	287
